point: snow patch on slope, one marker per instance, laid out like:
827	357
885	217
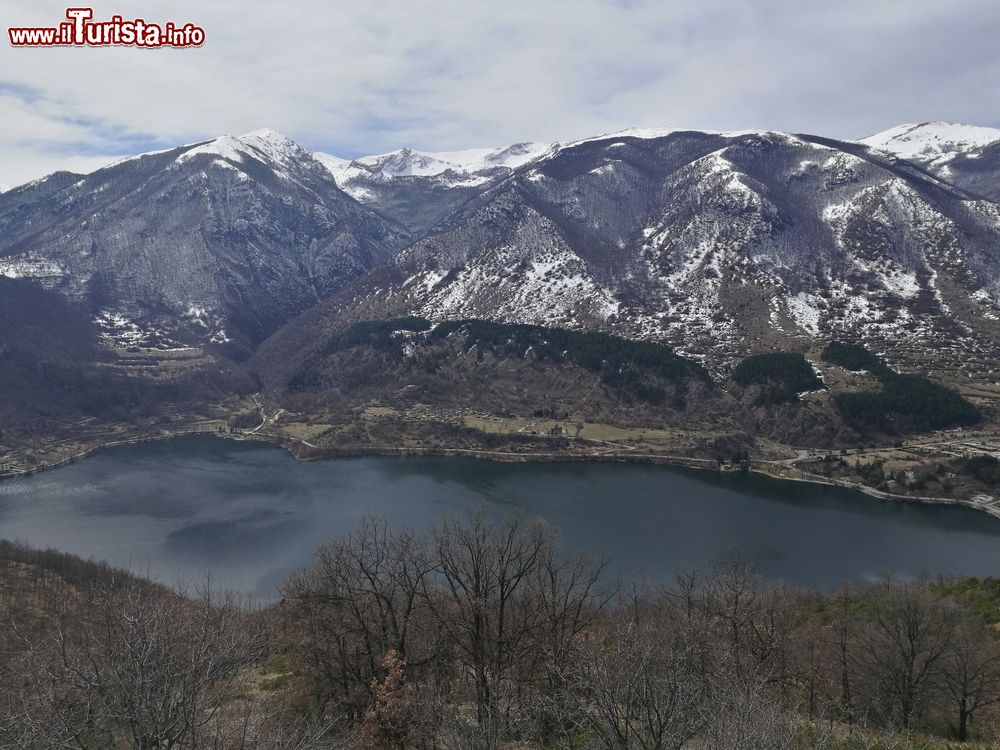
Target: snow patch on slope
535	278
226	147
30	266
804	310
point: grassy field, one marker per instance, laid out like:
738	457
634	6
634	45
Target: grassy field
569	427
307	431
426	425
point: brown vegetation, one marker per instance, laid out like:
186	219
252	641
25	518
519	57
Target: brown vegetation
482	635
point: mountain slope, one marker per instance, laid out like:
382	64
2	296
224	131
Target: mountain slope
58	379
717	244
203	244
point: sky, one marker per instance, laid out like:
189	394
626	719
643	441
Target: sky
368	76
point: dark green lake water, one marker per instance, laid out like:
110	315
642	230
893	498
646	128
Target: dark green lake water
250	514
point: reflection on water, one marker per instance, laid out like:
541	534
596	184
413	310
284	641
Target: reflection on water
250	514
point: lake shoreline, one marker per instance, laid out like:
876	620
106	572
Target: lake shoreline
302	450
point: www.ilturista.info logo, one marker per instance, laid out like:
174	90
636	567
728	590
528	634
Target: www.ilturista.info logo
81	31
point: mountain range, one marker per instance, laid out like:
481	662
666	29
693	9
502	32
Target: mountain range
719	244
252	251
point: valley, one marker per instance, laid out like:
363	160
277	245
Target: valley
427	431
665	296
615	375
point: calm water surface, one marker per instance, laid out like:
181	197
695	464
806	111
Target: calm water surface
249	514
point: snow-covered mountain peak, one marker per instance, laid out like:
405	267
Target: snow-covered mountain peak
332	163
932	141
370	179
258	144
407	162
275	145
266	134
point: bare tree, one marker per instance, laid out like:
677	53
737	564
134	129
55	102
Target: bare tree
813	655
641	685
903	649
484	604
844	625
750	619
971	673
568	593
136	664
743	714
362	598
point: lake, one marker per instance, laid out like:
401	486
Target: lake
249	514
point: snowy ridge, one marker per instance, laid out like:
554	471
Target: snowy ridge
932	141
654	133
908	141
470	167
269	144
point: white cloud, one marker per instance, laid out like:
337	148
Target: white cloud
364	77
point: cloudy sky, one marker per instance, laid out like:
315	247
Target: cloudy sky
355	77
